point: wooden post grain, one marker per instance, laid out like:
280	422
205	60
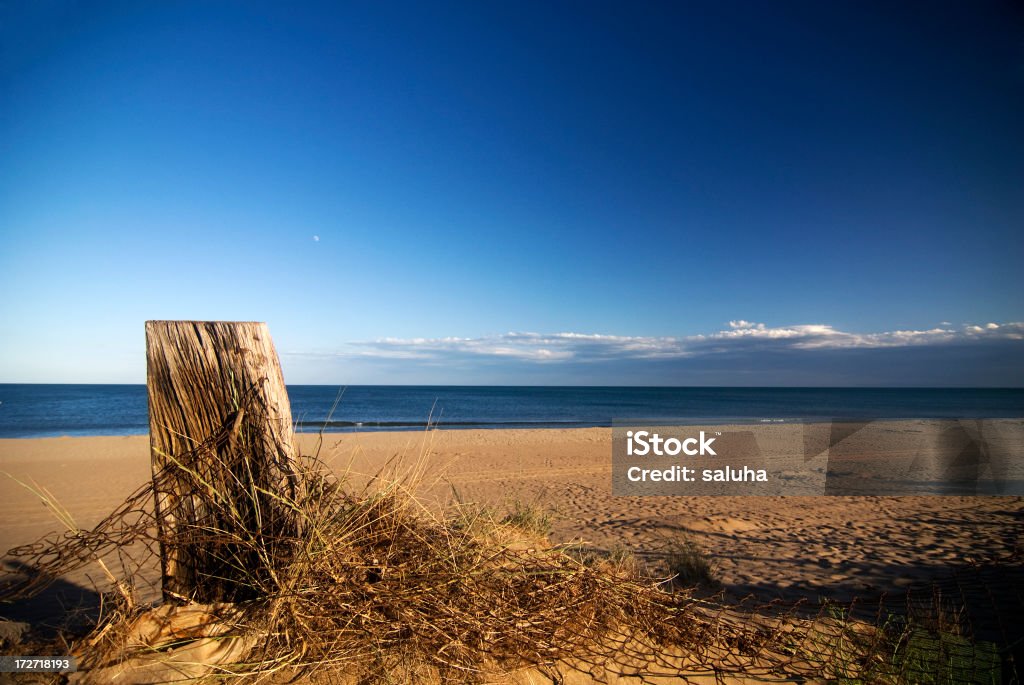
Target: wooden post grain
222	449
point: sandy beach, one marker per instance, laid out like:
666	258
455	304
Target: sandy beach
771	547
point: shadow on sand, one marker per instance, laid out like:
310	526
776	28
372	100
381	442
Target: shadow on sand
979	599
63	607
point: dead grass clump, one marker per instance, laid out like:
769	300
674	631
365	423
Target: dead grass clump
376	586
532	519
689	565
618	561
382	588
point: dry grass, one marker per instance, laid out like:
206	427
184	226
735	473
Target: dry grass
530	518
376	585
689	565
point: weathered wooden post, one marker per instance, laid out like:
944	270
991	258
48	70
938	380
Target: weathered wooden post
223	458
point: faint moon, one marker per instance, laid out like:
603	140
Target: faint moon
316	239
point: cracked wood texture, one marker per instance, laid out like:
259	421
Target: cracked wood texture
223	458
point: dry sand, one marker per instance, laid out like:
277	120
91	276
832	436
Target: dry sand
772	547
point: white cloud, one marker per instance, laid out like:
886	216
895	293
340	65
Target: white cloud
595	347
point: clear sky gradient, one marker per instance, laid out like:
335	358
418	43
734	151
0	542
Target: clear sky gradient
577	193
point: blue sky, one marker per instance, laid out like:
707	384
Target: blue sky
519	193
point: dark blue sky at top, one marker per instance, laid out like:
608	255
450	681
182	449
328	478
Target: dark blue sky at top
470	169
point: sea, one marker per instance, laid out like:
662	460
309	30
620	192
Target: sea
47	410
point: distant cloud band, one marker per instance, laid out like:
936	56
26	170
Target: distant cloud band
740	336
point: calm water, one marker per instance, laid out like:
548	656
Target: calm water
52	410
